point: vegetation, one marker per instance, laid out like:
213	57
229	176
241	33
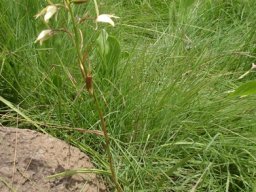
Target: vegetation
172	124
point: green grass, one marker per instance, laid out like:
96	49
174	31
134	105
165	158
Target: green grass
173	126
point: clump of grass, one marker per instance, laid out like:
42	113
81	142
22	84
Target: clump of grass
172	126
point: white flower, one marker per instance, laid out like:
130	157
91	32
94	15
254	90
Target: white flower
253	66
44	35
106	18
48	12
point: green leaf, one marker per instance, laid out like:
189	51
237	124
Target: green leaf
72	172
109	51
102	42
246	89
114	51
11	106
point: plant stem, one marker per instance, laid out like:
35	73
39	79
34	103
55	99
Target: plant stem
77	44
96	7
86	74
107	142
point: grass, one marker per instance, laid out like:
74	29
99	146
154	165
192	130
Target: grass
172	125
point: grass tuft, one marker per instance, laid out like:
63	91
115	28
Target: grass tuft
172	125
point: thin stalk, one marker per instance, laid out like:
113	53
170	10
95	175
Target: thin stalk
86	75
77	44
107	142
96	7
96	10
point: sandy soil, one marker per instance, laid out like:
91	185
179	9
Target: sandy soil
28	157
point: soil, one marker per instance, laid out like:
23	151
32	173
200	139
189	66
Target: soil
28	157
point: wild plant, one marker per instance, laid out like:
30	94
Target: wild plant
104	47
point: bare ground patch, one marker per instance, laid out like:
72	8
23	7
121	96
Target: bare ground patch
28	157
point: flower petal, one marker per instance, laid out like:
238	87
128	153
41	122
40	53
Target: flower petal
253	66
42	12
50	11
44	35
106	18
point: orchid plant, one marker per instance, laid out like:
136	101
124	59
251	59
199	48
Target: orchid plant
50	11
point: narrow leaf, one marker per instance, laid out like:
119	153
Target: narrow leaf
10	105
246	89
